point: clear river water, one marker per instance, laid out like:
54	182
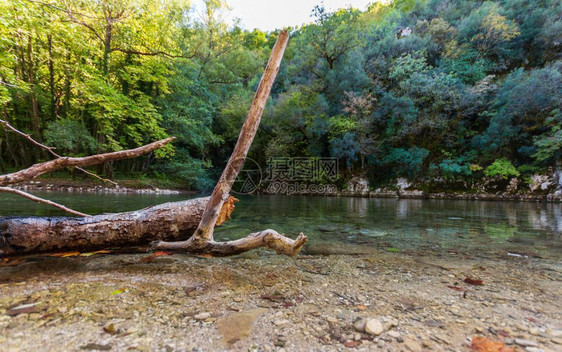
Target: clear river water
345	224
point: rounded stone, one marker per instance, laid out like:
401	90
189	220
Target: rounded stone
359	325
374	327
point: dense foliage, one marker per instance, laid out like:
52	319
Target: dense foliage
437	89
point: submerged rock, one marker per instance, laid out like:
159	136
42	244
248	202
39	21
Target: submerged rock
238	325
202	316
525	343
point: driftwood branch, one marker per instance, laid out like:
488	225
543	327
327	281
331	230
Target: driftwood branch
41	200
202	240
51	150
63	162
270	239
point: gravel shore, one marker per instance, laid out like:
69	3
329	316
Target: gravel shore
259	301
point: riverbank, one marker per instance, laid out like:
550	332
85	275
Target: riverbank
542	188
91	186
154	187
417	194
263	302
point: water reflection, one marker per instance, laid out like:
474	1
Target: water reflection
90	203
406	224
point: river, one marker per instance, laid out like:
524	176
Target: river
485	228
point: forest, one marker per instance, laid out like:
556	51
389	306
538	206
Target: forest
426	90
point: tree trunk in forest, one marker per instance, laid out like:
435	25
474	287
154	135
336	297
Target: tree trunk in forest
35	120
107	42
52	104
67	86
9	147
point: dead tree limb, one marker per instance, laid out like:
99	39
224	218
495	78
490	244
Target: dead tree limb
169	221
51	150
63	162
27	136
270	239
202	240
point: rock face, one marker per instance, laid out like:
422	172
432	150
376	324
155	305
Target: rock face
540	183
412	194
404	32
513	185
557	178
403	183
358	185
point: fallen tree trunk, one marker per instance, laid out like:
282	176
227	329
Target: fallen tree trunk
169	221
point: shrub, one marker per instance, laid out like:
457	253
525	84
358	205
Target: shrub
451	168
503	168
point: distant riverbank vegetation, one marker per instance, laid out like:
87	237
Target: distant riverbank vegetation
436	89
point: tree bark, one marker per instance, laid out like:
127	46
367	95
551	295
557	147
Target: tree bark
169	221
52	104
35	119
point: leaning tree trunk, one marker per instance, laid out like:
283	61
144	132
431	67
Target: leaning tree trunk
202	240
169	221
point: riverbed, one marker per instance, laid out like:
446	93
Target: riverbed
433	273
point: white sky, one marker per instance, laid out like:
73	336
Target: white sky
268	15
